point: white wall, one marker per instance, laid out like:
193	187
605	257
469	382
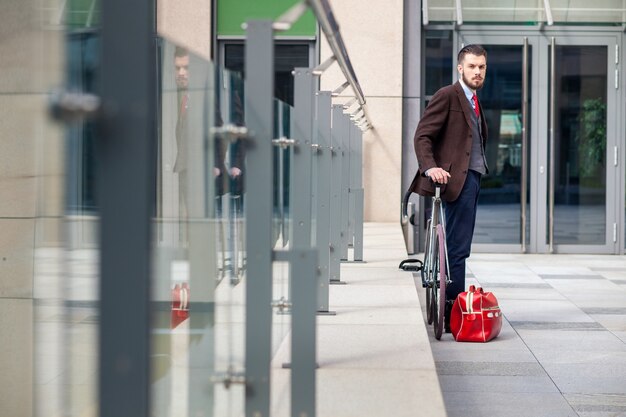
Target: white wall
373	33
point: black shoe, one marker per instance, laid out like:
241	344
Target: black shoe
446	317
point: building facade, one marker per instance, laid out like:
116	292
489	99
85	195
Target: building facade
554	99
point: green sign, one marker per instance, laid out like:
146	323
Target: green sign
231	14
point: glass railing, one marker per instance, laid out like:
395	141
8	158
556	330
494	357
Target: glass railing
80	278
199	280
281	319
200	289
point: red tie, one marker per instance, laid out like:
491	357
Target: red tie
476	109
183	104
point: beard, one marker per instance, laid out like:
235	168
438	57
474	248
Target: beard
476	83
182	82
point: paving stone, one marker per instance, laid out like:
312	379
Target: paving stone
570	276
514	404
499	383
565	341
605	310
489	368
488	285
597	404
542	311
555	325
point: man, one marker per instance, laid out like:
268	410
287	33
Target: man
450	148
181	73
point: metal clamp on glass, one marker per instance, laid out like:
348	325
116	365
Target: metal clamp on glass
284	142
283	305
228	378
230	132
65	106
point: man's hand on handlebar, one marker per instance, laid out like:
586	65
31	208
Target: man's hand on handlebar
438	175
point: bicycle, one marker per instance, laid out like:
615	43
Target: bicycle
433	269
434	274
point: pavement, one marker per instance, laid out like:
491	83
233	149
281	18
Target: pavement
561	352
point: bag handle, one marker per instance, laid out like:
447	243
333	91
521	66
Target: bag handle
469	301
472	288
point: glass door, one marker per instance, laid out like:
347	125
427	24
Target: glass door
502	222
582	130
551	104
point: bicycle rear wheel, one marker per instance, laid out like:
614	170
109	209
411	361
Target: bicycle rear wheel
440	283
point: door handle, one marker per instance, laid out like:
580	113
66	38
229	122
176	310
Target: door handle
524	178
552	175
66	106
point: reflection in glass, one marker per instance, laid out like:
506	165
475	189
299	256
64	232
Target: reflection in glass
282	218
199	262
81	269
438	61
499	212
580	145
286	58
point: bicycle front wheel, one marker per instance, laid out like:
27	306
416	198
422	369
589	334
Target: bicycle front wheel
440	283
428	273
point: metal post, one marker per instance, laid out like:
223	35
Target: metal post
345	185
351	184
359	197
303	258
259	85
323	160
300	178
126	188
303	334
335	194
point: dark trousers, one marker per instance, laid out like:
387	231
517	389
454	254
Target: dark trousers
460	221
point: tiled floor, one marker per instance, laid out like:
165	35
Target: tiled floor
562	349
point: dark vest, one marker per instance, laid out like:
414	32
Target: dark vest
478	162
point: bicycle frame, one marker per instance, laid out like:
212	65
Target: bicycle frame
434	273
437	217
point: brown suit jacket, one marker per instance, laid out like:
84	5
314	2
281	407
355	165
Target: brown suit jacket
444	139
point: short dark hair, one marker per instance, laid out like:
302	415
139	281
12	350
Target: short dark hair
473	49
180	51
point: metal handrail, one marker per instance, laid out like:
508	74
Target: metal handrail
324	15
326	19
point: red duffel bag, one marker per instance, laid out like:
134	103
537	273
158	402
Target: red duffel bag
180	304
476	316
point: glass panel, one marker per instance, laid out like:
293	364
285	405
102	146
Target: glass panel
580	145
438	60
514	11
81	281
286	58
528	11
282	159
499	212
442	11
199	283
31	210
581	11
281	319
